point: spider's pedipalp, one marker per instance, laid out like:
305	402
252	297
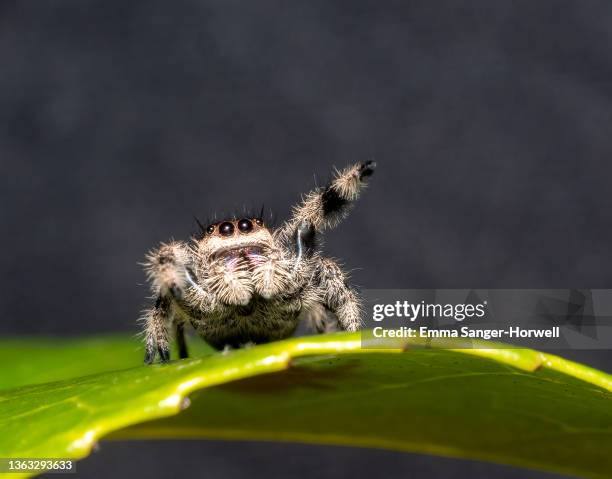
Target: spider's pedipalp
229	282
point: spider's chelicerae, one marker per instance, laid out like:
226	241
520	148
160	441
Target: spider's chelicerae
240	282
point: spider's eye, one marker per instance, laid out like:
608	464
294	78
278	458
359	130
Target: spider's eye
245	225
259	222
226	228
211	229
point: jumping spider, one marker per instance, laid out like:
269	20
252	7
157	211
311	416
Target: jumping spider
240	282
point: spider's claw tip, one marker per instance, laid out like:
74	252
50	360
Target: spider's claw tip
164	355
367	169
149	357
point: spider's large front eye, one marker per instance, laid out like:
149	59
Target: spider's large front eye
245	225
226	228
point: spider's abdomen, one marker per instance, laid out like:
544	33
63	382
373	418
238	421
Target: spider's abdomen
260	321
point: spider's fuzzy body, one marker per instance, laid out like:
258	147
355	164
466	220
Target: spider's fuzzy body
240	282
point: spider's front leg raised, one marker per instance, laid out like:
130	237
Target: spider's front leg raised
325	207
321	209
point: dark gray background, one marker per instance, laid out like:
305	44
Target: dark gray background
490	122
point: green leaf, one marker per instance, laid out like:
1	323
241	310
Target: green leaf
513	406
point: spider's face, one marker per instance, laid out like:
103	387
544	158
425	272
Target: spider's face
246	238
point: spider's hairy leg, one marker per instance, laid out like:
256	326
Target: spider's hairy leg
305	241
166	269
325	207
337	296
157	319
180	341
318	319
172	279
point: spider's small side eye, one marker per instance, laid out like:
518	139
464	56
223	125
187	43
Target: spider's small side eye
211	229
259	222
245	225
226	228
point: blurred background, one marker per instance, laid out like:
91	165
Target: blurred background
120	120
